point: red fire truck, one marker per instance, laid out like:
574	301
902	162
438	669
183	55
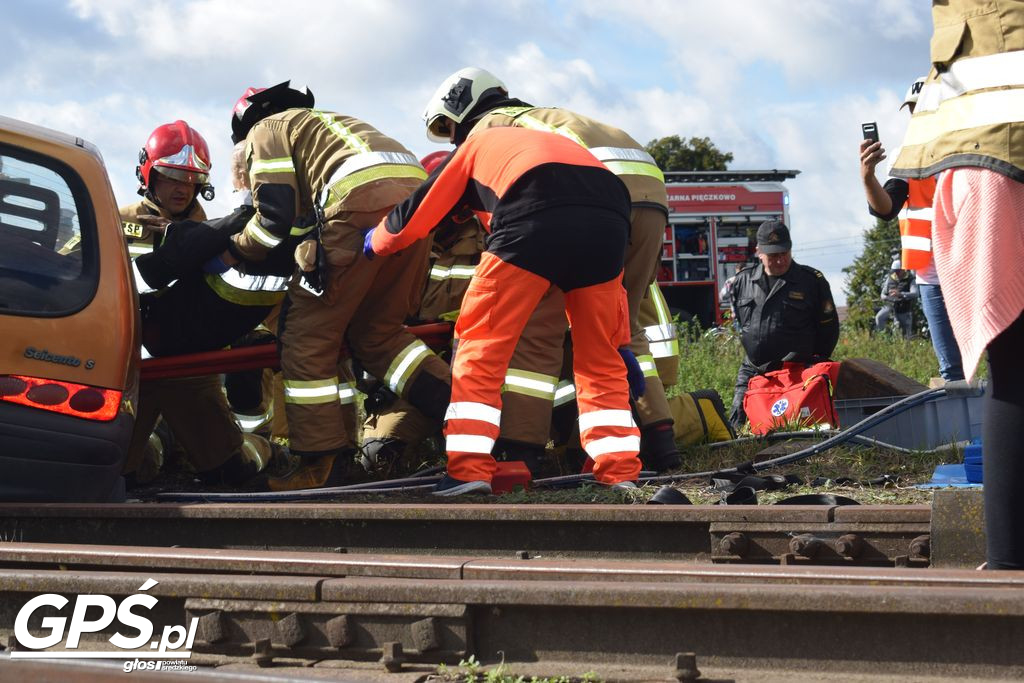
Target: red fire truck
713	219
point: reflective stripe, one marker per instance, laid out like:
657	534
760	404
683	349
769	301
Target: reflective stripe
299	231
469	410
250	423
635	168
528	121
973	73
351	139
404	365
613	444
358	162
468	443
138	249
341	189
279	165
646	362
914	242
530	384
667	349
247	290
259	234
311	391
661	306
925	214
622	154
965	112
452	272
565	392
659	333
606	418
347	393
140	282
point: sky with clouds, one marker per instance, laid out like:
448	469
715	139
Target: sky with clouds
779	83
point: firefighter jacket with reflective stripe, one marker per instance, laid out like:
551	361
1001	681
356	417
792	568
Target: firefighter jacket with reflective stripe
141	240
195	311
502	175
795	315
623	155
970	111
302	158
455	251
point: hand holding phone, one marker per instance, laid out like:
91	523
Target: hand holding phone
870	131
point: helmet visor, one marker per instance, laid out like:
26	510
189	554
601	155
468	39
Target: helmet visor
439	128
182	175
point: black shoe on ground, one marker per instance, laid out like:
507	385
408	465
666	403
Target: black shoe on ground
449	486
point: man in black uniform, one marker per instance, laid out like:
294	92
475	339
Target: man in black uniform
783	310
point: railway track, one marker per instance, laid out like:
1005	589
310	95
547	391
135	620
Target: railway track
627	619
388	592
839	535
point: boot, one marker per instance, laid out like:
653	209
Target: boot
384	458
658	450
315	472
529	453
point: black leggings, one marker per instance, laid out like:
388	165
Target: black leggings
1003	448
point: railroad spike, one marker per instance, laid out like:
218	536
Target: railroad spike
210	628
686	667
425	634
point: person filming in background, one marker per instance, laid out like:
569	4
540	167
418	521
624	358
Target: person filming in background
898	293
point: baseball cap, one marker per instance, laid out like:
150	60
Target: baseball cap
913	92
773	238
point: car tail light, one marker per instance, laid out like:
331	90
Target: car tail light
79	400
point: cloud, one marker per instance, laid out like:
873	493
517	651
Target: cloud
778	84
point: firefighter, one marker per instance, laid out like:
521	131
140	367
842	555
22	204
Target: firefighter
911	200
327	177
784	310
472	100
393	427
535	193
173	171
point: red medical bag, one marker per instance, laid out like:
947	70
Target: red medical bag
795	394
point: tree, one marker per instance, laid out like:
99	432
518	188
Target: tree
863	282
672	153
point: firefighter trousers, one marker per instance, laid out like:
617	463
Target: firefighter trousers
197	412
643	255
500	300
364	305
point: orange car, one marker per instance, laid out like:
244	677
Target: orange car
69	322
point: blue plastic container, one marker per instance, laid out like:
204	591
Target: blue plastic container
972	462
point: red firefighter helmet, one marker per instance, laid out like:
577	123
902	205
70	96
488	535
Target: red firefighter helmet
177	151
256	104
433	160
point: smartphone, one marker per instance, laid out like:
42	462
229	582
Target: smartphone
870	131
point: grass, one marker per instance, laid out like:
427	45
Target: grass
710	359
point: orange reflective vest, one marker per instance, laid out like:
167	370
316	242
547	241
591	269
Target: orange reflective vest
916	224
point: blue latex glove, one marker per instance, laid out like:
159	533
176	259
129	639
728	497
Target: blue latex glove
368	251
634	374
216	266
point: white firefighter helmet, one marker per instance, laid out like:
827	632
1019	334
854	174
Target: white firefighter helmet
456	97
897	265
913	92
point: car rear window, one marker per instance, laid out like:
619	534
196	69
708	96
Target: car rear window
48	259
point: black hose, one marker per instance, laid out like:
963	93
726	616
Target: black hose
841	437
